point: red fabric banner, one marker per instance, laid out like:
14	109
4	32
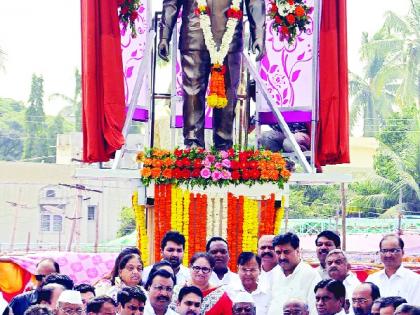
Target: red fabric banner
333	126
102	80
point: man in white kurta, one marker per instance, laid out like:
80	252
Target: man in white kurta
325	242
295	279
395	279
269	263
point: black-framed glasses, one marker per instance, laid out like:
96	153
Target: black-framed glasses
390	250
243	309
191	303
40	277
359	300
204	270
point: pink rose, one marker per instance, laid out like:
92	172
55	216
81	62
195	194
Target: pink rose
211	158
226	174
216	175
224	154
218	165
205	173
226	163
206	163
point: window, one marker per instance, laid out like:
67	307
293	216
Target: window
57	223
45	223
50	193
91	213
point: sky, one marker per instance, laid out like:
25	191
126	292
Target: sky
43	37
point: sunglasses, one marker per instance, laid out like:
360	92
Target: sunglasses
191	303
39	277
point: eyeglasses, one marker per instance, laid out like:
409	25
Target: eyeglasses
244	309
204	270
71	311
163	288
40	277
191	303
135	308
390	250
359	301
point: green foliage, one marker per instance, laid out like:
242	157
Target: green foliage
314	201
127	222
12	129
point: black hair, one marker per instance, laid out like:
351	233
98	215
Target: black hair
157	266
336	287
215	239
161	273
287	238
173	236
331	235
206	256
95	304
128	293
375	292
124	252
189	289
84	288
410	309
59	278
126	259
56	265
37	310
245	257
44	294
400	241
393	301
7	310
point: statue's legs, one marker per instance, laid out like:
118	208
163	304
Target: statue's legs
223	118
195	76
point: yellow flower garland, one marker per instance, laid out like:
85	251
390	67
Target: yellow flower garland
186	224
250	225
142	238
279	216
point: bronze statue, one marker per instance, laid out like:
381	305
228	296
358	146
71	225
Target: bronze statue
195	61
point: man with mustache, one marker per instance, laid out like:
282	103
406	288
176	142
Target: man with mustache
172	250
363	297
268	260
217	247
338	268
296	279
395	279
160	286
325	242
189	301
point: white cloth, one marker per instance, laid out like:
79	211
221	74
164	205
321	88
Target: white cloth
229	278
322	272
182	276
350	283
300	284
148	310
404	283
260	296
266	278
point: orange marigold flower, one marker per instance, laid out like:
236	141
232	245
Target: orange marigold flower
148	161
167	173
155	172
274	175
140	157
285	173
168	162
265	174
262	164
299	11
271	165
146	172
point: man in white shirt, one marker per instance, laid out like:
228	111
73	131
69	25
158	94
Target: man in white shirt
268	260
330	297
394	279
295	279
363	297
217	247
295	307
172	250
160	294
249	266
325	242
243	304
338	268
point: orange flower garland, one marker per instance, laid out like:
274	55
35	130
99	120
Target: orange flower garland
267	216
162	215
235	228
217	95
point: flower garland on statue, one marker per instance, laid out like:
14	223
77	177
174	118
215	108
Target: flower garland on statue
289	16
142	238
128	14
217	95
250	225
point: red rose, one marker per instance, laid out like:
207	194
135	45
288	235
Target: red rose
285	30
200	150
299	11
186	162
177	173
274	8
124	10
246	174
277	19
242	156
186	174
291	2
134	15
178	153
243	165
231	152
195	173
179	163
253	164
255	174
235	175
234	165
290	19
197	163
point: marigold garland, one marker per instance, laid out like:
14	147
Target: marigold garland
279	216
142	238
267	216
250	222
186	225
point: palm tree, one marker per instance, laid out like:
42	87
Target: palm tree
74	103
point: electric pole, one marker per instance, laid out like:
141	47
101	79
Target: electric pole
16	206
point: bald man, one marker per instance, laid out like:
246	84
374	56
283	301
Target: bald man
295	306
269	264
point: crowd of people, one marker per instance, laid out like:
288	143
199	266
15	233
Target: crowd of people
273	281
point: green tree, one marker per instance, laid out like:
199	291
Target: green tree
12	129
55	127
127	222
36	145
74	103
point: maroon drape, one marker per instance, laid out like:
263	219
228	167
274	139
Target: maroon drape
332	145
102	80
